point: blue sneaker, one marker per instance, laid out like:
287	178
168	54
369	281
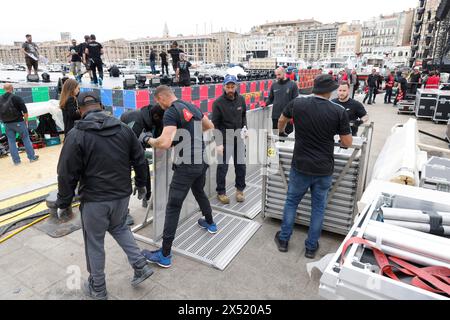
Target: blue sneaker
100	82
158	258
212	228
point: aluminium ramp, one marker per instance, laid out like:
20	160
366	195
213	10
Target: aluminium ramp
216	250
252	205
192	241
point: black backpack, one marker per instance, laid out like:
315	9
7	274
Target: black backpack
8	112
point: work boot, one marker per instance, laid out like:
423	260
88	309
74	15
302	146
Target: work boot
223	198
36	158
240	196
311	254
281	244
90	291
140	275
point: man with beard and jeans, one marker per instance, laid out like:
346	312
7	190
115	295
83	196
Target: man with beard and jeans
98	153
281	93
230	117
317	121
14	114
182	121
93	54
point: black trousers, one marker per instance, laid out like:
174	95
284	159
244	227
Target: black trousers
185	178
354	91
388	96
149	182
96	65
289	127
165	65
240	169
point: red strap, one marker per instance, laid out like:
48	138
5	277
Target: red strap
439	277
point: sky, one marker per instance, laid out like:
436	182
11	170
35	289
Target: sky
132	19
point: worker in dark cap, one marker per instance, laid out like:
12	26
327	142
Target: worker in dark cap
99	153
317	121
142	121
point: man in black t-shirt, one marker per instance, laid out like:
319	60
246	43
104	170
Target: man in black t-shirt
75	54
94	52
181	120
317	121
175	54
153	60
183	74
356	112
85	57
164	63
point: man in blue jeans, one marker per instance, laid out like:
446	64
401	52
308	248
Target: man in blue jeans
317	121
14	114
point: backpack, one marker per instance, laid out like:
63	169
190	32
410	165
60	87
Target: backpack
8	112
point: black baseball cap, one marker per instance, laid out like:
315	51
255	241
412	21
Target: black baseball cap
88	98
324	83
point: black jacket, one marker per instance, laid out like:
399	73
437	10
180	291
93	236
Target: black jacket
70	114
281	93
99	153
229	114
18	103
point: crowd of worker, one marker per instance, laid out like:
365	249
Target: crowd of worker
395	84
100	152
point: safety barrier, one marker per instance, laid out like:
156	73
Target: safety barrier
349	180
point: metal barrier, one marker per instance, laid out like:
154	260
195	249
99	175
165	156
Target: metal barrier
349	181
191	241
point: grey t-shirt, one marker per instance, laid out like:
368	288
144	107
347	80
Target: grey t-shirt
31	47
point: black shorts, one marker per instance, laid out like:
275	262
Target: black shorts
31	63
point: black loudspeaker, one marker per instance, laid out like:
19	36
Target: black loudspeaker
33	78
45	77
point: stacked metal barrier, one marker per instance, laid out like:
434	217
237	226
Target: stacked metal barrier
348	183
355	274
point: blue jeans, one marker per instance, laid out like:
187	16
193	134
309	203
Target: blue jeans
153	66
20	128
298	186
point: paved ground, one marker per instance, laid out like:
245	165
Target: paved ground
35	266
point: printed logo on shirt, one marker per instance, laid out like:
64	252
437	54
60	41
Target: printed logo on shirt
239	109
187	115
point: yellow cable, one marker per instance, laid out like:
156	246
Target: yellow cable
74	205
23	228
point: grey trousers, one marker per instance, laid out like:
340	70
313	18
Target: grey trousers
97	218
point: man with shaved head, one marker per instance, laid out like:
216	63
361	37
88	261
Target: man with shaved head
282	92
14	114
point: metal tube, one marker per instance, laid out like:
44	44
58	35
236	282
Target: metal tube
413	215
422	227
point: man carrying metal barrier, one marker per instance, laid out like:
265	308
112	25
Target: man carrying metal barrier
181	120
317	120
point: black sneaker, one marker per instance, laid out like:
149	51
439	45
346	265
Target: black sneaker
310	254
93	294
144	203
36	158
140	275
282	245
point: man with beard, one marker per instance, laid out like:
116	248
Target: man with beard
230	117
356	112
282	92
